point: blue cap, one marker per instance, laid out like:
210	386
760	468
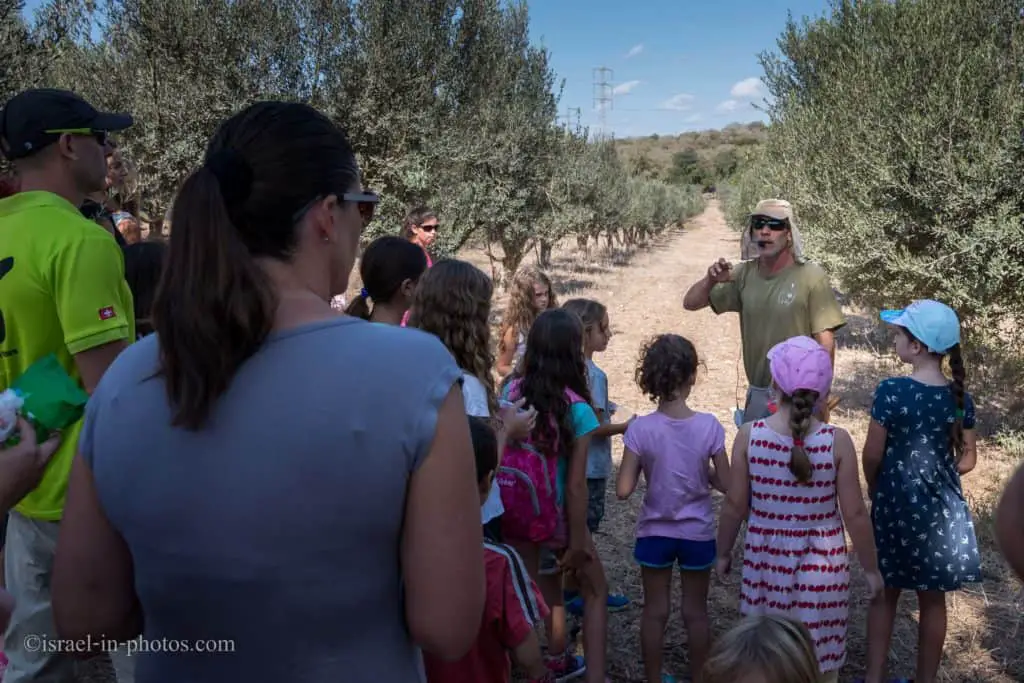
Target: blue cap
932	323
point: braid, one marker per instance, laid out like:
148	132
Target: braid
956	433
802	407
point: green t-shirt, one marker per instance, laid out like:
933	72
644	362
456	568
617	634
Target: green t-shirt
62	291
796	301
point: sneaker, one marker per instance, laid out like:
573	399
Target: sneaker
565	667
616	603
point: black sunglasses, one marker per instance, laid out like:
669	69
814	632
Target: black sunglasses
429	228
775	224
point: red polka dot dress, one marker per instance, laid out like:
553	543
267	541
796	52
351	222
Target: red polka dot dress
795	560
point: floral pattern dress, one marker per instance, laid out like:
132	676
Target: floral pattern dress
923	527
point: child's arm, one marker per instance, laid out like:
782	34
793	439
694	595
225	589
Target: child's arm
874	451
851	503
1009	530
970	456
629	474
609	429
737	501
720	475
523	611
507	352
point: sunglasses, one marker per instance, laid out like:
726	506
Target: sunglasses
366	202
774	224
102	136
429	228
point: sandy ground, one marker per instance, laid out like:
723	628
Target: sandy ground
644	295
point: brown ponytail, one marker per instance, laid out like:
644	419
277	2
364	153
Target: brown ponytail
956	433
802	408
359	308
215	304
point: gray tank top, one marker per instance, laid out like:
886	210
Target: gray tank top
276	527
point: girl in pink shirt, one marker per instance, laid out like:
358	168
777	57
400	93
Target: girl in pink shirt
674	447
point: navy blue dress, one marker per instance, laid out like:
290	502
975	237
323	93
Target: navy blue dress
923	527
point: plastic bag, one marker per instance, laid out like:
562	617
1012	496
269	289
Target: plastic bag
53	401
10	406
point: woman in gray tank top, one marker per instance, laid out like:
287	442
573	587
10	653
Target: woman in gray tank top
267	490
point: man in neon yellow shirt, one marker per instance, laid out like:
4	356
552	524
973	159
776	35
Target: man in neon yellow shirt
62	291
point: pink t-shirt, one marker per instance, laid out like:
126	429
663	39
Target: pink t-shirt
675	456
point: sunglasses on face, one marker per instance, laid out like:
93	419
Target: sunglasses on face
366	202
102	136
430	227
774	224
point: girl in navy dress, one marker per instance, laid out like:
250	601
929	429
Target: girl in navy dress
920	441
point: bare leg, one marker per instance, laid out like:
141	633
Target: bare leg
657	599
881	615
550	588
931	635
529	657
594	589
695	617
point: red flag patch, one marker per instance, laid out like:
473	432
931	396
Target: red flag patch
107	312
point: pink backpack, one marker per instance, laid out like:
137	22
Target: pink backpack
527	479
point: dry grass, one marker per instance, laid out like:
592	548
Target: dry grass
643	292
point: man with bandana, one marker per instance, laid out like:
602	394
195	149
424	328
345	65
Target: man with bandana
778	294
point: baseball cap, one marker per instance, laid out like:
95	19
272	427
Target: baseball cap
932	323
34	119
801	363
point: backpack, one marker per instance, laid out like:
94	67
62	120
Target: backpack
527	480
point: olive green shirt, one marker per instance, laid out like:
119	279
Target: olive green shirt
796	301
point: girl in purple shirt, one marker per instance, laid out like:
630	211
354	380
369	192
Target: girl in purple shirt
674	447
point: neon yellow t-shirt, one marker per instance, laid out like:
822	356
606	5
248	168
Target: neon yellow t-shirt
62	291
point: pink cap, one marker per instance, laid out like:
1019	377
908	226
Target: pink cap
801	363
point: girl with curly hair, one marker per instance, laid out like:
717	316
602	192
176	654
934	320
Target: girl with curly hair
453	302
675	448
544	488
530	295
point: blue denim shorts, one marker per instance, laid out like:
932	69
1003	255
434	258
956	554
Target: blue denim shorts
660	552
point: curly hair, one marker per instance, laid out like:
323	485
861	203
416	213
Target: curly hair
453	302
520	313
667	365
554	362
801	411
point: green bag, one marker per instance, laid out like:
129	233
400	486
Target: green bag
53	400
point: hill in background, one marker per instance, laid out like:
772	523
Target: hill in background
699	157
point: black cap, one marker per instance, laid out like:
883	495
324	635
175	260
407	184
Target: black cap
35	119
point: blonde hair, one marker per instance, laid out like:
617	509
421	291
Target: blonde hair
520	314
778	648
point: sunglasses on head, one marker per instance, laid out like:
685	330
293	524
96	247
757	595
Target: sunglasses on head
102	136
775	224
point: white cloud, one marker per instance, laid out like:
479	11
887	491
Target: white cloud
748	88
625	88
680	102
728	105
635	50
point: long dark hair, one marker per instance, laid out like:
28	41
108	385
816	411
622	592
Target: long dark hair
958	387
554	362
143	268
215	305
387	262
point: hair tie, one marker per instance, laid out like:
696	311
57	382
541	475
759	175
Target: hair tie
798	442
233	173
363	293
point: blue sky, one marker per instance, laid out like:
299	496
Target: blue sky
678	64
